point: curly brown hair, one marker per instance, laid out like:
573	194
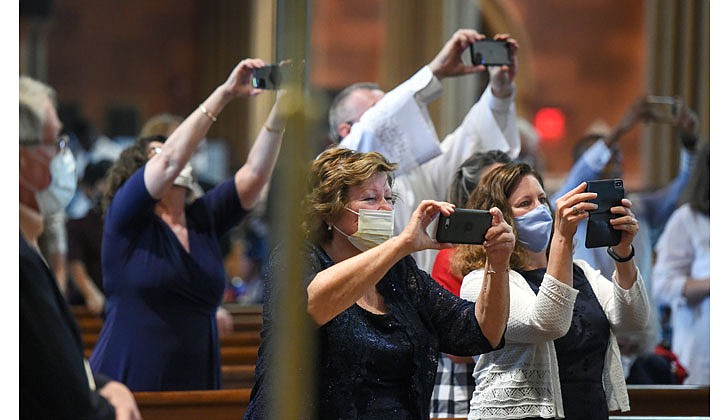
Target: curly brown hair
130	159
332	173
493	190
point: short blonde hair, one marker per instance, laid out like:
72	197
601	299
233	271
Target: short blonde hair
332	174
36	94
160	125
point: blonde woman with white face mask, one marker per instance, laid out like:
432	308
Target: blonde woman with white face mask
561	358
381	321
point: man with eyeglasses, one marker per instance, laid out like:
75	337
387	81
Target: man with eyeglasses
53	243
55	379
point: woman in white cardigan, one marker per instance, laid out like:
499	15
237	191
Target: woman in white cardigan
561	358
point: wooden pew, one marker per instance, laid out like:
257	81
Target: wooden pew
237	369
245	319
238	355
236	338
667	400
657	402
227	404
237	376
235	355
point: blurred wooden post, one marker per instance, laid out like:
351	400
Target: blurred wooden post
291	368
677	64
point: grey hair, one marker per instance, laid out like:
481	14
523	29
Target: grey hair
340	112
30	128
467	175
34	94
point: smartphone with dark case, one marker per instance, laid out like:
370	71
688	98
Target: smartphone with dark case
267	77
490	52
464	226
599	232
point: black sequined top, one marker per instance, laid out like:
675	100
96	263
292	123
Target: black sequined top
379	366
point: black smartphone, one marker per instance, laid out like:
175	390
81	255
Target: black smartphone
268	77
464	226
599	232
490	52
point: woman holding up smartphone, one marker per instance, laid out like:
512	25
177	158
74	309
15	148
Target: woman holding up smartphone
380	320
561	357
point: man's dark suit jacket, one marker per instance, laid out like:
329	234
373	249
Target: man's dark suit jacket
53	380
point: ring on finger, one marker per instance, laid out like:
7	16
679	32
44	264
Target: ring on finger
576	210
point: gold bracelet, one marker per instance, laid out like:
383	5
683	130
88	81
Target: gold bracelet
274	131
208	113
491	271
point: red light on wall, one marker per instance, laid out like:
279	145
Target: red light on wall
550	123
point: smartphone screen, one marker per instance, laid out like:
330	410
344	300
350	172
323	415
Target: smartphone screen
490	52
267	77
464	226
599	232
664	109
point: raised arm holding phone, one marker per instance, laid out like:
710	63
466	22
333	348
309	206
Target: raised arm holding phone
363	118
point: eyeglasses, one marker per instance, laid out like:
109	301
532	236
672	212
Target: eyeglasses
62	143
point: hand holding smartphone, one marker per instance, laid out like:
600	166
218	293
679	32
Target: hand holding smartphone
490	52
464	226
274	76
664	109
267	77
599	232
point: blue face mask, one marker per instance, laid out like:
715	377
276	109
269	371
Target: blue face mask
534	228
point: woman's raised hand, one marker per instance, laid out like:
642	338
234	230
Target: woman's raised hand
239	82
416	231
628	224
499	241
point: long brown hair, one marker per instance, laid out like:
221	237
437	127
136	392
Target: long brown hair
332	174
493	190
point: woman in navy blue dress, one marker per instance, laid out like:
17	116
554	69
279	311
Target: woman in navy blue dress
162	266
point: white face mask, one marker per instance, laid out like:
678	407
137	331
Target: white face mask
63	184
375	227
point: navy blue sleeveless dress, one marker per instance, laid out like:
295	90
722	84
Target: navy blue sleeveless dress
581	352
160	332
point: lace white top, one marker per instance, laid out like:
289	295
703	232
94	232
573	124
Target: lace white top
522	379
